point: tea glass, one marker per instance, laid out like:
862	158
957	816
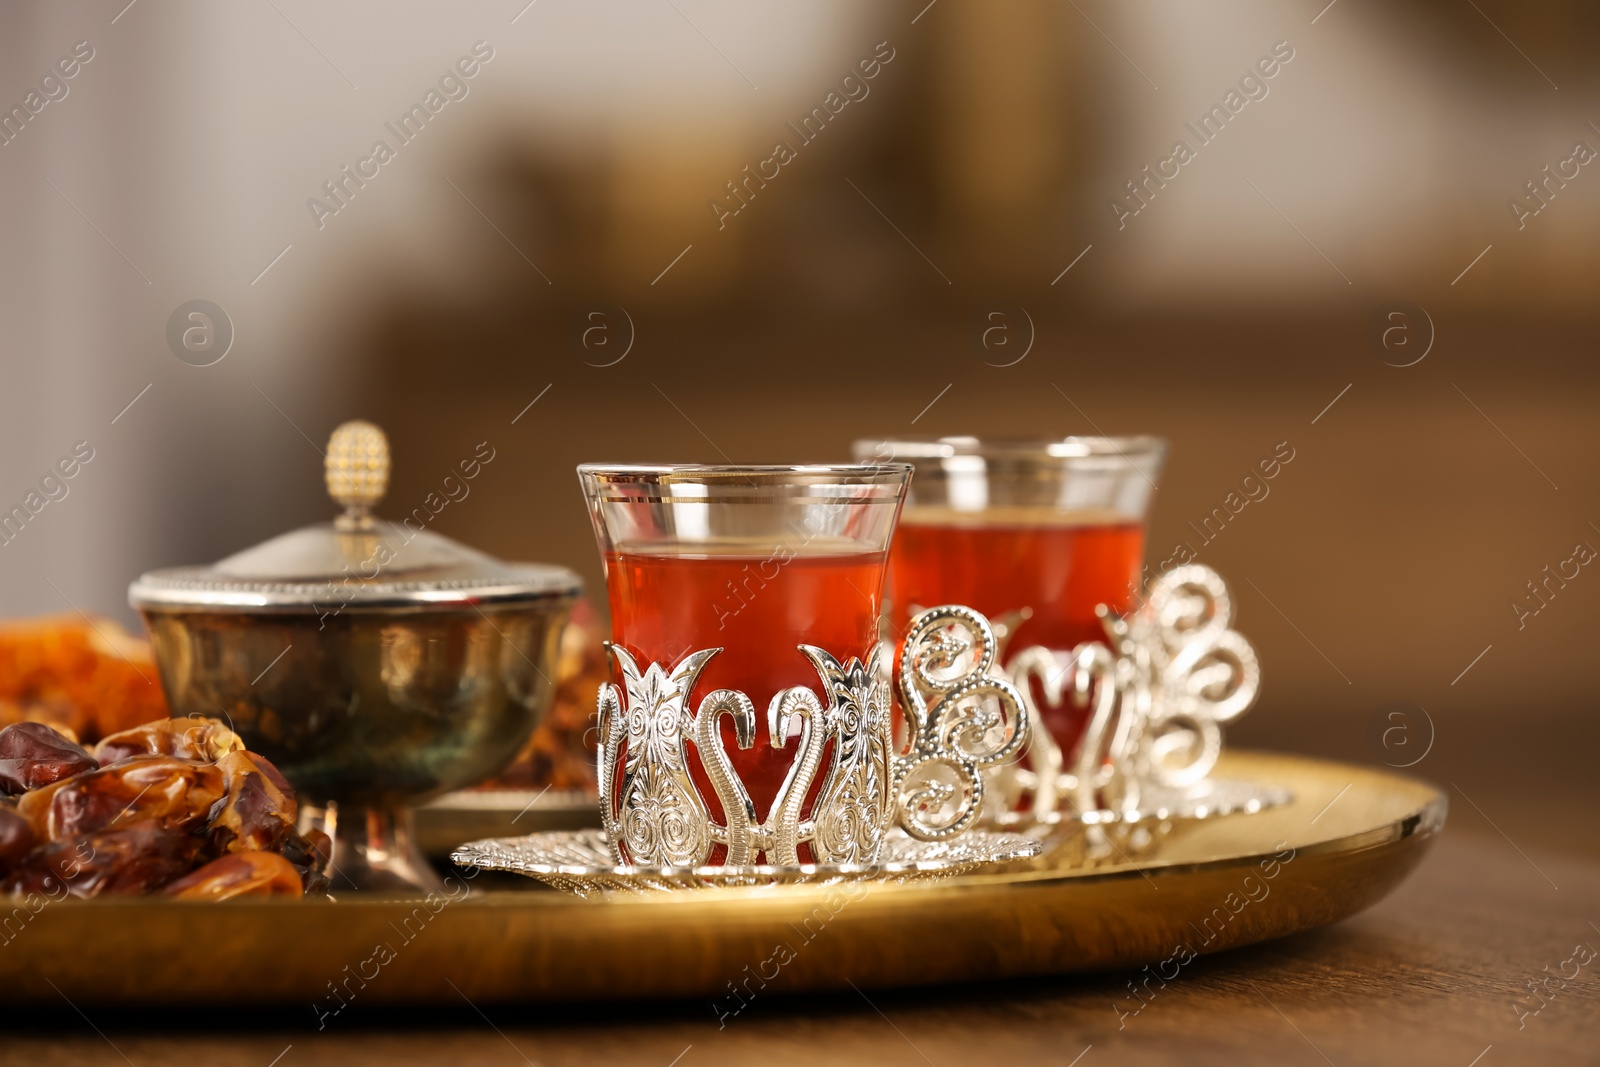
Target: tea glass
1034	534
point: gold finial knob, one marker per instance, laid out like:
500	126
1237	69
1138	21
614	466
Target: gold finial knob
357	471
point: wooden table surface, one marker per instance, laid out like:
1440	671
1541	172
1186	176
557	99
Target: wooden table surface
1436	974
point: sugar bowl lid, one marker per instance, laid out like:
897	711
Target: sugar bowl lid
357	562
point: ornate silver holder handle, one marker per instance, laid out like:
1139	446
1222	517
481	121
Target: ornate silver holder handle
963	718
1158	693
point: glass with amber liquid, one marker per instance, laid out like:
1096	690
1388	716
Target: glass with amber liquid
754	561
1049	529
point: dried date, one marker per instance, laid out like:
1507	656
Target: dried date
133	859
259	812
177	793
313	883
34	755
195	737
16	838
237	875
147	806
310	852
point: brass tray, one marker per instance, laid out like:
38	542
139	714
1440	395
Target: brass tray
1349	836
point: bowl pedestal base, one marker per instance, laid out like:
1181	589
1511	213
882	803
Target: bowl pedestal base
374	847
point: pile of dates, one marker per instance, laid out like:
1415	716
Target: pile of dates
175	806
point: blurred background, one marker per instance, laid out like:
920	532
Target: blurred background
695	230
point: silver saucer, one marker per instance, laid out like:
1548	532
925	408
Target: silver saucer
579	862
1210	799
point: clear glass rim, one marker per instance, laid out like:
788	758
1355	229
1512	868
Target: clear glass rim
758	475
1139	446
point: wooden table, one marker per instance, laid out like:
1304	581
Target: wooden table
1433	975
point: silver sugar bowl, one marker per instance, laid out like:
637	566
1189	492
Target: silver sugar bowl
377	664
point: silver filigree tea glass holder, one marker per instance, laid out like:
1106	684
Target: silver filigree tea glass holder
1059	525
962	721
1171	674
802	552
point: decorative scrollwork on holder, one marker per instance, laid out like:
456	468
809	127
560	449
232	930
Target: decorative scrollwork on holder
658	817
1158	692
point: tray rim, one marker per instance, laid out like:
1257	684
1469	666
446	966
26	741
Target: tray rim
523	945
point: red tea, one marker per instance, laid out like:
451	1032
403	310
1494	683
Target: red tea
1060	565
756	607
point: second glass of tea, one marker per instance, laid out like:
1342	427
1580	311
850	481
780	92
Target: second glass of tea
1049	529
752	560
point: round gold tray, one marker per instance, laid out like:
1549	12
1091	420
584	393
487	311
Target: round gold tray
1348	837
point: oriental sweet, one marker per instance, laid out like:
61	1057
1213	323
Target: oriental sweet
175	806
86	678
